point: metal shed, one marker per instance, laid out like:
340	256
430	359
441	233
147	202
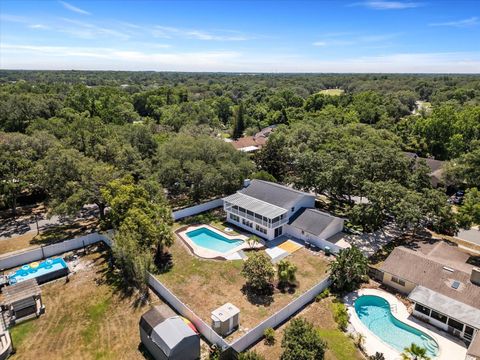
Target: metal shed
168	336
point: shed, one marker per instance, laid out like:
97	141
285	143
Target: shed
225	319
22	301
168	336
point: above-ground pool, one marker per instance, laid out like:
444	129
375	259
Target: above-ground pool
374	312
212	240
43	271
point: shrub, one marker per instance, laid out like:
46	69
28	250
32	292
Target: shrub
340	314
377	356
302	341
258	272
269	335
323	295
250	355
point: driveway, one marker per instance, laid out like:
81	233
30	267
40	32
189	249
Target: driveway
370	243
472	235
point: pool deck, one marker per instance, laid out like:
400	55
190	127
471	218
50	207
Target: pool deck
205	253
450	348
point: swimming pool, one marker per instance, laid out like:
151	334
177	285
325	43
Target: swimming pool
212	240
43	271
374	312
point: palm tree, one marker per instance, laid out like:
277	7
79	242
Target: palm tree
349	269
415	352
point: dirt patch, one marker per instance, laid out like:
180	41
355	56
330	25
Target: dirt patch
205	285
340	346
86	318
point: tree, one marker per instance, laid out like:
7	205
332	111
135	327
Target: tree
415	352
250	355
302	341
258	272
263	175
465	170
286	273
469	212
348	269
377	356
239	124
253	241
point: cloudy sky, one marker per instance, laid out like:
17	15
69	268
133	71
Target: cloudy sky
242	36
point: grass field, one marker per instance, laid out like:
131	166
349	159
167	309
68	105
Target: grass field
340	346
205	285
86	318
333	92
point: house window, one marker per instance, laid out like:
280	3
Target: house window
234	217
455	324
439	317
260	229
468	330
278	231
293	209
398	281
422	309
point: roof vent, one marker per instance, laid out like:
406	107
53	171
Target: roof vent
448	269
456	284
475	277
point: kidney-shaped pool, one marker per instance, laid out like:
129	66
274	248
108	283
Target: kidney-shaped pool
374	312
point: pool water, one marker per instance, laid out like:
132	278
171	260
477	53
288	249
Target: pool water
35	269
375	313
212	240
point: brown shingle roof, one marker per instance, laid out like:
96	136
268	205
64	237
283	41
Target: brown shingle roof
436	270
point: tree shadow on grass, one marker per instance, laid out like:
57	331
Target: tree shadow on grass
256	297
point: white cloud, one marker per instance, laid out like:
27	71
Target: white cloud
320	43
470	22
85	58
39	26
74	8
86	30
339	40
388	5
168	32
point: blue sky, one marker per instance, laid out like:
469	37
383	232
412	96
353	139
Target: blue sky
240	36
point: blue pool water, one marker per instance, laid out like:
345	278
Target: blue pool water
375	314
211	240
29	272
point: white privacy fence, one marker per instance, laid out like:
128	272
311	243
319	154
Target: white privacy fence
197	209
279	317
9	261
185	311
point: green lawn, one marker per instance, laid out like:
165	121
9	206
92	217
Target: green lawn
333	92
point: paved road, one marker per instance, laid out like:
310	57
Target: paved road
21	225
472	235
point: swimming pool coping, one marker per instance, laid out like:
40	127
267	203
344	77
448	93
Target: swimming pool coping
373	343
205	253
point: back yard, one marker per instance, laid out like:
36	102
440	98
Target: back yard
86	318
340	346
205	285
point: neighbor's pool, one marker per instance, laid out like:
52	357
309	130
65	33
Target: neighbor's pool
212	240
375	314
38	270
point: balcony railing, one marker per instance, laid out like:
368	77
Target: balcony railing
255	219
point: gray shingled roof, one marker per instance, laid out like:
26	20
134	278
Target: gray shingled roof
435	272
276	194
311	220
446	305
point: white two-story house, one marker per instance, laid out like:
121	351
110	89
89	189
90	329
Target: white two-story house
269	210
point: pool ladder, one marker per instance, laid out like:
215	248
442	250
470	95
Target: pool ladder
393	308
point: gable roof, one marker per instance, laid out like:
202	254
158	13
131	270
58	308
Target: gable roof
436	166
311	220
436	270
170	333
272	193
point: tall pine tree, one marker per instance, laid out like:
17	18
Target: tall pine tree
239	124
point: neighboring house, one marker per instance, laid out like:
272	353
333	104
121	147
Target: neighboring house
168	336
253	143
270	210
444	287
436	169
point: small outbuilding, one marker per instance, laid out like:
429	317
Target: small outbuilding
225	319
169	336
21	301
